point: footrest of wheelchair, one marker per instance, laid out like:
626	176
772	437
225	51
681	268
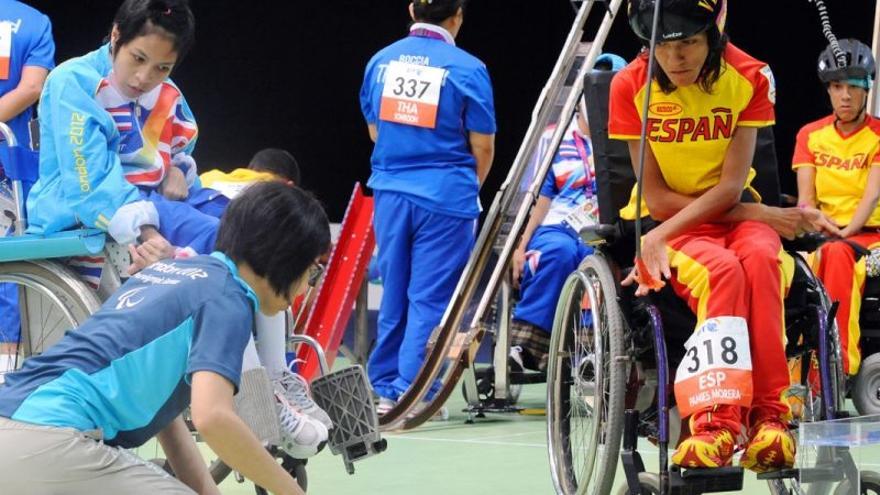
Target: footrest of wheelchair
710	480
805	475
255	405
346	396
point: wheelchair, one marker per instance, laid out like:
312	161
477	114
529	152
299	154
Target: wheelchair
610	353
52	297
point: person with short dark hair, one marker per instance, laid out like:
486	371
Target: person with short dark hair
277	162
218	187
173	336
837	161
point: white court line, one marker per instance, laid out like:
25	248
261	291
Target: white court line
478	442
509	435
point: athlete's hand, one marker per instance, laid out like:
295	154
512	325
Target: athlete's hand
787	222
153	248
847	231
174	185
819	222
653	264
519	263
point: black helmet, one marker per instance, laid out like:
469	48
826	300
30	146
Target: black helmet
859	62
679	19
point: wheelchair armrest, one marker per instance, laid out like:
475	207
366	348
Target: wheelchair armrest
602	232
808	242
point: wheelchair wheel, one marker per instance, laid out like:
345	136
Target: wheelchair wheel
52	300
866	387
869	481
586	382
649	482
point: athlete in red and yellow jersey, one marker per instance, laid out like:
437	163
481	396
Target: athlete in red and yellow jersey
837	160
722	256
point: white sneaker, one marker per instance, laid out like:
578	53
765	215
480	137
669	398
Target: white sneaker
515	360
301	436
295	389
385	405
7	365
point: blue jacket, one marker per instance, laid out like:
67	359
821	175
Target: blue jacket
82	181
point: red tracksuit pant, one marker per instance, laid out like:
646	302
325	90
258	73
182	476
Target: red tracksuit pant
739	269
844	279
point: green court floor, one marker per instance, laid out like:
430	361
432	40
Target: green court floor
503	454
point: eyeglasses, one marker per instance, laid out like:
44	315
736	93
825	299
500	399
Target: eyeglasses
315	272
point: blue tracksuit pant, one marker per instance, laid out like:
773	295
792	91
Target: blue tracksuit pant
553	252
10	326
421	257
183	224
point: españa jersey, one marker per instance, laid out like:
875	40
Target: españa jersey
690	130
842	164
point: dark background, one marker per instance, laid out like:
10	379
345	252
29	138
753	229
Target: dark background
287	73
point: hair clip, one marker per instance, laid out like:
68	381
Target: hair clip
167	11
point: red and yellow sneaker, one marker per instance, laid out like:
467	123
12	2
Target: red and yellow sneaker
770	447
707	448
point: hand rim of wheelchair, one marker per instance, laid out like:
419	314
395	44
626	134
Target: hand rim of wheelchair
593	274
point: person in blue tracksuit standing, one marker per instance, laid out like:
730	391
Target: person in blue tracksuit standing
27	54
429	108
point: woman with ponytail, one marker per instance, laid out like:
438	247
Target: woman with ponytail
429	108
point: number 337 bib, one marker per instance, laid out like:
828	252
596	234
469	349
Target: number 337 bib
5	48
411	95
716	368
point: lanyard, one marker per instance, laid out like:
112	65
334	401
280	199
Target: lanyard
581	146
427	33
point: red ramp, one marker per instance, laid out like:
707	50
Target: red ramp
339	288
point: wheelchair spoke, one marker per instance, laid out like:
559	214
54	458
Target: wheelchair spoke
584	384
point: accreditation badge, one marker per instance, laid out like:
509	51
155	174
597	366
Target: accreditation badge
585	215
411	94
716	368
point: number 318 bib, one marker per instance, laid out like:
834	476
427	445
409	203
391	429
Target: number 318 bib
411	94
716	368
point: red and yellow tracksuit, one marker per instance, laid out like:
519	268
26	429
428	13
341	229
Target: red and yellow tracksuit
720	269
842	164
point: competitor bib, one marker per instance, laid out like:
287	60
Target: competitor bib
716	368
411	94
5	48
